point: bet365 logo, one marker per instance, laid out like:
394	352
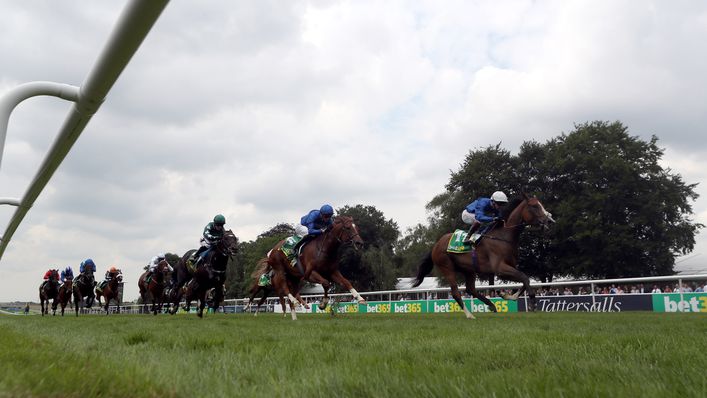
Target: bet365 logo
672	303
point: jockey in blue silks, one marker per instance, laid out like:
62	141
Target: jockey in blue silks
67	274
316	222
483	211
87	265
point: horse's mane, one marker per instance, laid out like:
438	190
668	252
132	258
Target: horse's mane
260	268
508	209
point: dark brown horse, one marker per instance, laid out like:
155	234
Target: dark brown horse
211	273
83	288
273	286
110	290
65	292
154	289
496	253
319	260
49	290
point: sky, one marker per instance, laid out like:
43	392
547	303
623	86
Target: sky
263	110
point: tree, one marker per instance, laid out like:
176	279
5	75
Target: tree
239	269
410	249
372	268
618	212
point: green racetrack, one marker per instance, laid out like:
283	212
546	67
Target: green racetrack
355	355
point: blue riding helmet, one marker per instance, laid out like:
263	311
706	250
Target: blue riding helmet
326	210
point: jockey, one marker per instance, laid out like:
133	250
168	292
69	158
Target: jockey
213	233
47	277
67	274
152	265
47	274
315	222
483	211
112	271
87	265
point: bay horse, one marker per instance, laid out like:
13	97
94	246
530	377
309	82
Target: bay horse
49	290
273	286
319	260
496	253
211	273
110	290
65	292
83	288
155	289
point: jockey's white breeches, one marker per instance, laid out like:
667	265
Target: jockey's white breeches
467	217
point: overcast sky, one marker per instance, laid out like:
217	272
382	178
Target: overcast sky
263	110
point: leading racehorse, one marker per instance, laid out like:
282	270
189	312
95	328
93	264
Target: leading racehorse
319	259
49	290
154	289
496	253
211	273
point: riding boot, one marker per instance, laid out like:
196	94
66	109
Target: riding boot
474	227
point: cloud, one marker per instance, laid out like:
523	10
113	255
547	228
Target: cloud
263	110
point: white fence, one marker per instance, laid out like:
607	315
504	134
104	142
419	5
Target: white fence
683	282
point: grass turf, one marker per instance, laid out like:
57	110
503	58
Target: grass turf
355	355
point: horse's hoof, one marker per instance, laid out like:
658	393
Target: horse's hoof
362	301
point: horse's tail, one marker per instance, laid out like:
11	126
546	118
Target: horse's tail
425	268
260	267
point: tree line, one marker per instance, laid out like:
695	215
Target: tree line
619	213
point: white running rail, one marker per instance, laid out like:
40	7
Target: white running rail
132	27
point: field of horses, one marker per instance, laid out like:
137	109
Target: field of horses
355	355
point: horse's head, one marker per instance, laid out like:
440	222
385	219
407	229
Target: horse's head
228	244
346	232
54	275
534	213
164	267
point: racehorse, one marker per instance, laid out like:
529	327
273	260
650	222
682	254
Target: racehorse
49	290
65	292
211	273
110	291
496	253
155	288
83	288
267	287
319	260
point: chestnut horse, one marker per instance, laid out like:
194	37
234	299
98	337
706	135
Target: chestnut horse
83	287
496	253
211	273
256	287
49	290
319	260
155	288
110	291
65	292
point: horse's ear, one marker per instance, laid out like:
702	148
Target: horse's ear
524	194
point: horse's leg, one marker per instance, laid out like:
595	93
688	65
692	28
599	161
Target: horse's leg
315	277
41	302
280	279
339	279
471	289
202	302
508	272
55	302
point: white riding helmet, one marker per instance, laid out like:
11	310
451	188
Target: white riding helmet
160	256
499	197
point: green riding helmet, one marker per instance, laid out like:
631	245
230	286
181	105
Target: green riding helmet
219	219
